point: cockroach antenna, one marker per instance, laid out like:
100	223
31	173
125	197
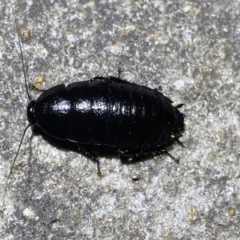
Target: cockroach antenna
29	97
21	52
15	158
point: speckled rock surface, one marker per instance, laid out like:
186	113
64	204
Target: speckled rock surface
191	50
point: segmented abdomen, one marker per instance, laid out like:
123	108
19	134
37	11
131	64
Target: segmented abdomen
122	115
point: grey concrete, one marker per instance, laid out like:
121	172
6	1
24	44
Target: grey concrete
191	49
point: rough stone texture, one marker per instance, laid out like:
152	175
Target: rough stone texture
191	49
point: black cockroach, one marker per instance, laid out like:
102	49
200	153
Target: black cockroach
109	112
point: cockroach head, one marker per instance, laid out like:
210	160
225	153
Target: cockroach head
31	112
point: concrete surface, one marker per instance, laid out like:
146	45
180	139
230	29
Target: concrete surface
190	49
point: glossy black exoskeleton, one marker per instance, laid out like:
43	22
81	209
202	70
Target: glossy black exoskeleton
110	112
